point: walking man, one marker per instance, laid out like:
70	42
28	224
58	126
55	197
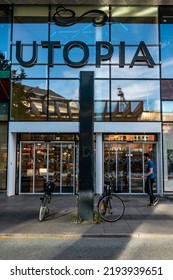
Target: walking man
150	177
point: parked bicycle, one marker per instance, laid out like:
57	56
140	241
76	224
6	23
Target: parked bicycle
46	198
110	206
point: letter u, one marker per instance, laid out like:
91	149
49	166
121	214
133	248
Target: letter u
19	54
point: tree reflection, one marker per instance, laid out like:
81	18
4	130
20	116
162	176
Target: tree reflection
19	108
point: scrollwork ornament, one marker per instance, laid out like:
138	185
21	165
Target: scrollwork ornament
67	17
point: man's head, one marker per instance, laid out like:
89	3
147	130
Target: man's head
146	155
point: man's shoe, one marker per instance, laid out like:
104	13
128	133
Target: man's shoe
156	201
151	204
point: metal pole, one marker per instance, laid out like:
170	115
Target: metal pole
86	146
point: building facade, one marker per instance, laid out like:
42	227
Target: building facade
43	49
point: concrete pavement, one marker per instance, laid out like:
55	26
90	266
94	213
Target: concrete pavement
19	218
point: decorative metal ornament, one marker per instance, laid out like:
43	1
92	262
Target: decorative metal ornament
66	17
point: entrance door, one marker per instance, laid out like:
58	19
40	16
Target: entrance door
26	167
39	159
62	162
125	163
40	163
122	167
136	163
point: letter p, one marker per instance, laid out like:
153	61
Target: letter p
100	57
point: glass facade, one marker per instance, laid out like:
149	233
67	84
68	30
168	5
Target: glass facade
42	54
41	84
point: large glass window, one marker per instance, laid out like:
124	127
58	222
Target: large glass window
134	24
166	35
135	100
4	98
167	111
5	35
51	91
64	101
29	100
167	89
3	156
30	24
168	156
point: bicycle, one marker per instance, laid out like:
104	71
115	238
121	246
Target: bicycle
110	206
46	198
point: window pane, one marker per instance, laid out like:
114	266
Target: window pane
168	156
101	90
3	111
63	101
5	33
4	89
166	50
136	100
166	35
5	30
30	24
134	24
29	100
167	110
167	89
69	91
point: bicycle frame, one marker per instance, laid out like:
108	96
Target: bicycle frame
46	198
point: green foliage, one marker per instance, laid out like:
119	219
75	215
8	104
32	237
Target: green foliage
97	218
4	63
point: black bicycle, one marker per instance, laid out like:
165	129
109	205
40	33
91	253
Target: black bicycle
110	206
46	198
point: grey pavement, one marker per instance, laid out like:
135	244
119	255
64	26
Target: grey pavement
19	218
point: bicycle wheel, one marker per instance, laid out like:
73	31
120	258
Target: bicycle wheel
111	208
43	207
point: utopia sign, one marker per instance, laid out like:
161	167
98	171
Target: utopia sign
66	17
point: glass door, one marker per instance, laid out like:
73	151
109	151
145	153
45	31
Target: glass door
54	164
136	164
68	170
151	149
124	162
40	166
122	168
26	167
40	159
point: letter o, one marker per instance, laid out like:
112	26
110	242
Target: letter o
74	44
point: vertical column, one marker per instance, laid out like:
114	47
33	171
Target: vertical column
11	171
86	146
99	164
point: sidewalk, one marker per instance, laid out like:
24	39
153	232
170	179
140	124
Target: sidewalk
19	218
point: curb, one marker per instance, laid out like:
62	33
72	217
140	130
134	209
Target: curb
77	236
